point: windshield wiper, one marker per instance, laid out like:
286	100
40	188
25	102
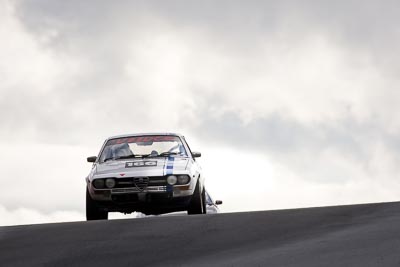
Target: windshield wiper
143	156
133	156
128	157
164	154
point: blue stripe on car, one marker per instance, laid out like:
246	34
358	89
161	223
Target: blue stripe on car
169	188
170	165
169	171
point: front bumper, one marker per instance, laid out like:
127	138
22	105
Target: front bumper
149	200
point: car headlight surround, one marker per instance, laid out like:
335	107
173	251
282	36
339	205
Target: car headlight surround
172	179
98	183
183	179
110	182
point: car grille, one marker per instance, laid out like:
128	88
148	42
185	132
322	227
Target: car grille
141	182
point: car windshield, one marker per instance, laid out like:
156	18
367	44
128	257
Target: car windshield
142	146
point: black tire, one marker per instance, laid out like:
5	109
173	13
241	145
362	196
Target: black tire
92	211
197	204
204	202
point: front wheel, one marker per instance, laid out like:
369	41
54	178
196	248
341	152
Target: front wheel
198	202
92	211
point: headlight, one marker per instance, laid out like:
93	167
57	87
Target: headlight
183	179
171	180
98	183
110	182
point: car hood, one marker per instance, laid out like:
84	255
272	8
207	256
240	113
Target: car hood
142	167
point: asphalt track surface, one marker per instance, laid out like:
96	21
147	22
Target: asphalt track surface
356	235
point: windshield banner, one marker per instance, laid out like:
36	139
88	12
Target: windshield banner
140	139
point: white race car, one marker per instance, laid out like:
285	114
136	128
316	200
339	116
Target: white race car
152	173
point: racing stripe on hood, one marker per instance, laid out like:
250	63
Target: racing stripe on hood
169	170
169	166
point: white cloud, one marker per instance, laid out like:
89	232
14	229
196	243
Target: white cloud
304	93
43	177
20	216
253	181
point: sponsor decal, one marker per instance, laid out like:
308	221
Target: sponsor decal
147	163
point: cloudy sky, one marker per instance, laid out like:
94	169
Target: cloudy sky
292	103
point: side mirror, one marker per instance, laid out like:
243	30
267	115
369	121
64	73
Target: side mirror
218	202
196	154
91	159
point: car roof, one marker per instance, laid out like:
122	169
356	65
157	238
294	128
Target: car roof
141	134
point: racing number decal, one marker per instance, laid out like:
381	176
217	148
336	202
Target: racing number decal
140	164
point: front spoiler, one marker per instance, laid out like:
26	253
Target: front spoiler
146	203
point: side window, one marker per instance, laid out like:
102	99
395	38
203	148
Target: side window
190	151
208	199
